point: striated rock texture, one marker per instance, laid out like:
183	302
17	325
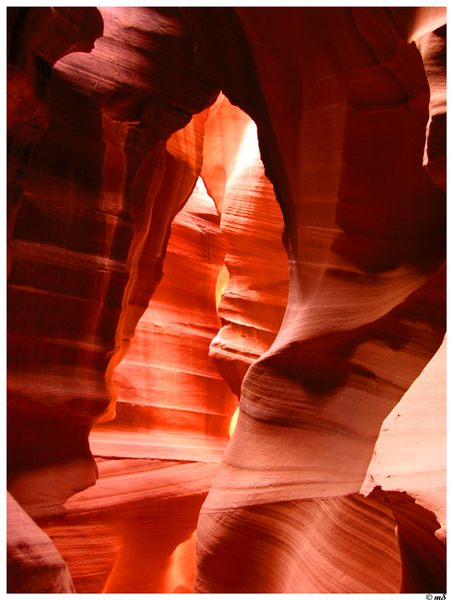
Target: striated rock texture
117	319
343	142
171	404
91	205
408	471
253	285
171	401
34	564
134	530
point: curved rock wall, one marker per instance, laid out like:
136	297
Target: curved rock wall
253	286
343	143
33	561
92	200
349	105
408	472
172	403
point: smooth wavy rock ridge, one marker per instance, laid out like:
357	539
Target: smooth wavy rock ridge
226	300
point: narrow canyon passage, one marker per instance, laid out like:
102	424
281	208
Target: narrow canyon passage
159	453
226	300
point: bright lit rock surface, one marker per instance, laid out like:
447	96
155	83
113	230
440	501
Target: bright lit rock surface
209	206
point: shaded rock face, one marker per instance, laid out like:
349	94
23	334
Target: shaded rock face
33	561
92	202
213	205
171	401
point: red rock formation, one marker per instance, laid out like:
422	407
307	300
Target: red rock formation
88	197
332	545
138	521
255	277
408	471
172	403
33	561
349	105
37	38
343	143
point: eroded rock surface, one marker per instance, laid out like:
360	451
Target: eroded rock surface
171	401
92	200
253	285
343	144
117	318
34	564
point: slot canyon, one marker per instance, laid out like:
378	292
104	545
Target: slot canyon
226	300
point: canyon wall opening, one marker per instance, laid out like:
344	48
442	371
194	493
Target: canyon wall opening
173	411
148	289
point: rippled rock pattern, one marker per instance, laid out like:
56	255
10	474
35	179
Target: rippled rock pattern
209	206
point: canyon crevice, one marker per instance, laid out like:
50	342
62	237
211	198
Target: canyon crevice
226	300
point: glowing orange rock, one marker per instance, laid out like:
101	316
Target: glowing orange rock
93	188
343	143
349	106
171	401
254	281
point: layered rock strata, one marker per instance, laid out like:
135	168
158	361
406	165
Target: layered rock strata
33	561
171	401
349	105
134	530
343	143
253	285
408	472
94	196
